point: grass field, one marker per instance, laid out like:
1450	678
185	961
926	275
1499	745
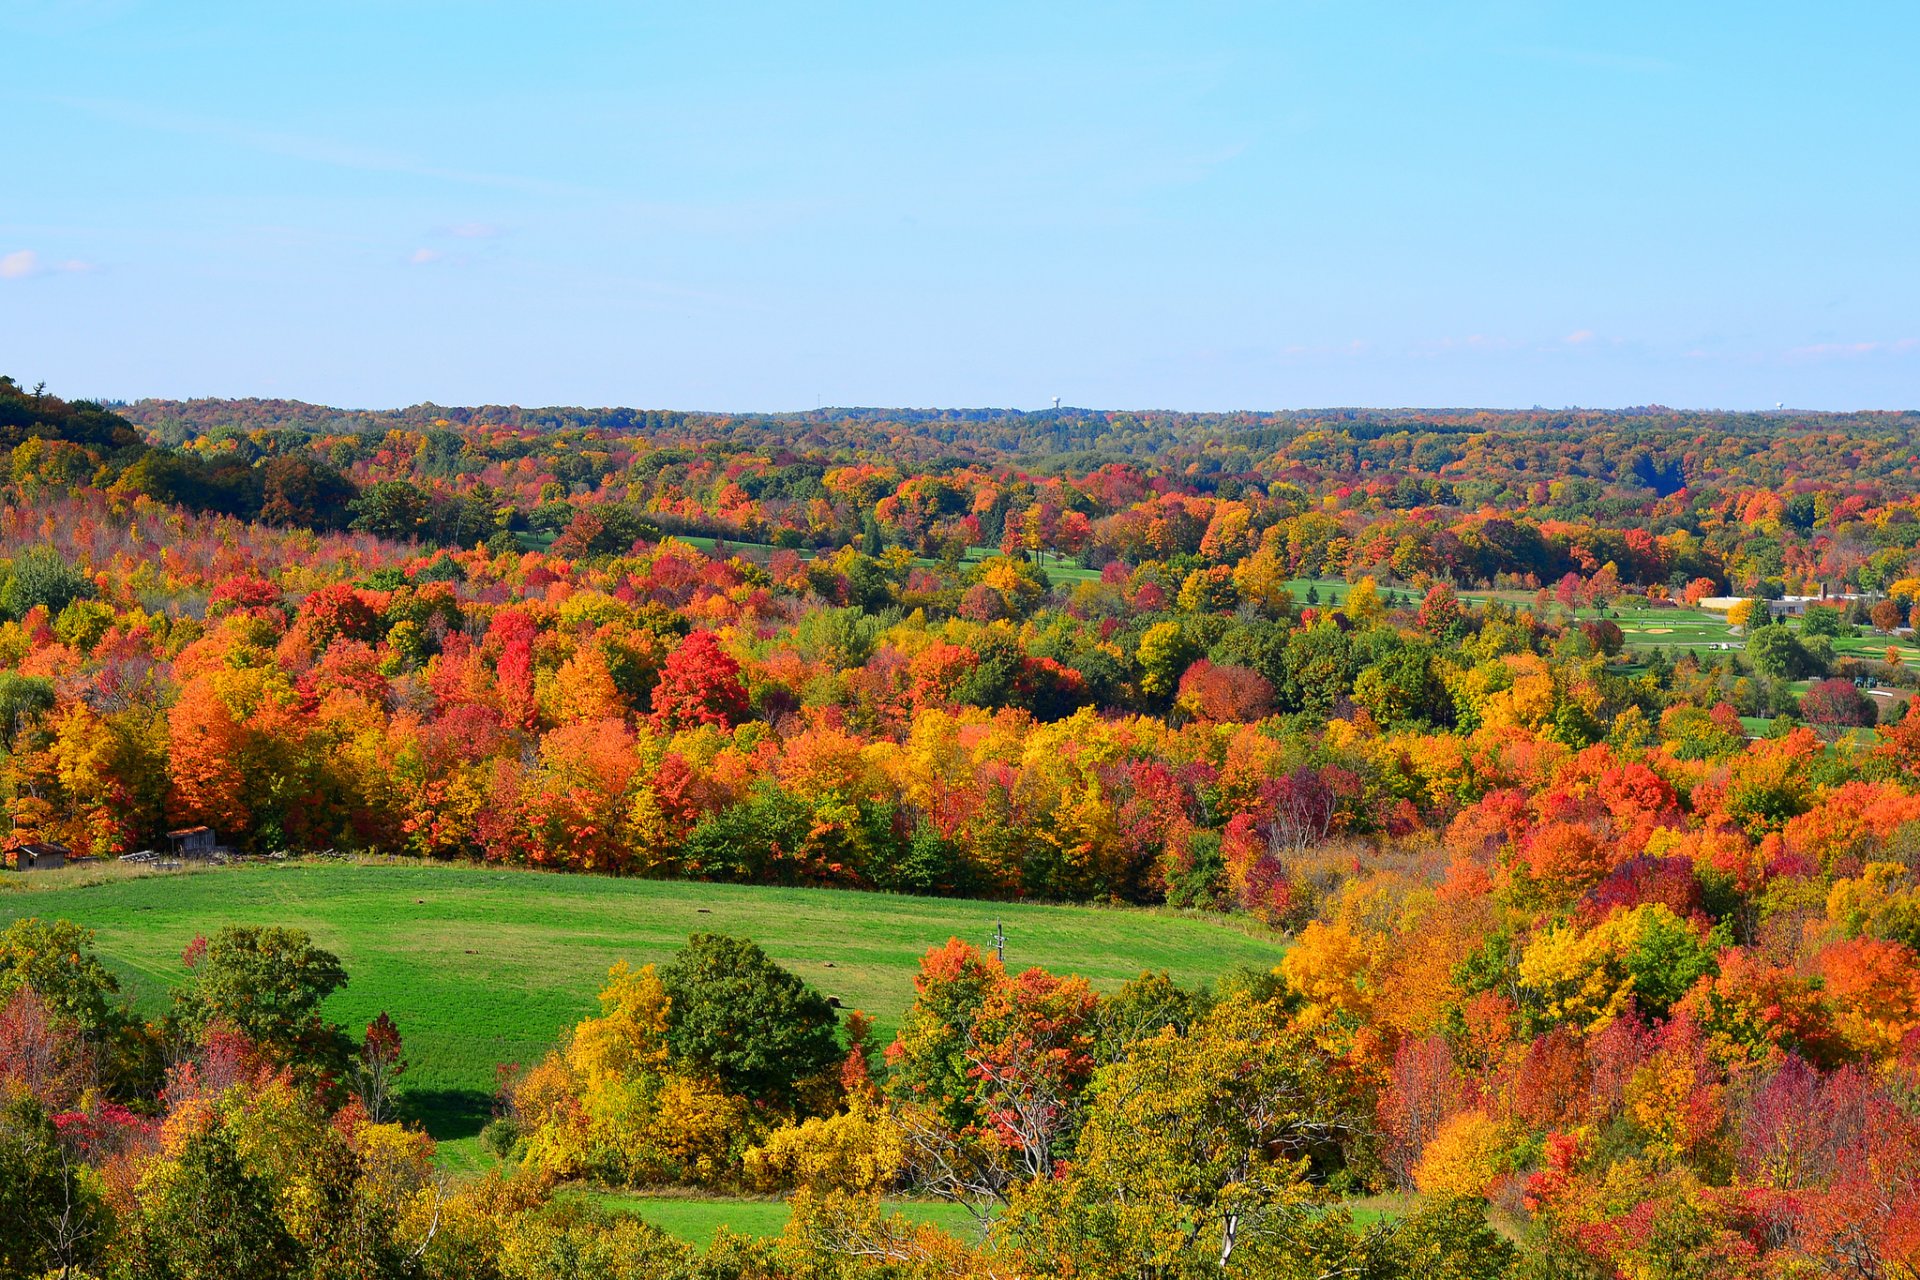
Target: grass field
697	1220
481	966
1672	629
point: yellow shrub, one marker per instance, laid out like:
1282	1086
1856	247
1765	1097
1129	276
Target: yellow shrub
858	1151
1462	1158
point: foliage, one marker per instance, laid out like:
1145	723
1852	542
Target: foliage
266	984
736	1014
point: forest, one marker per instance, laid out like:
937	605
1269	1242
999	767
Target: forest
1603	948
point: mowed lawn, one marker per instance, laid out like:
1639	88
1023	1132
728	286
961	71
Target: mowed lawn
481	966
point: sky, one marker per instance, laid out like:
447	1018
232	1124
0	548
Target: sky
744	206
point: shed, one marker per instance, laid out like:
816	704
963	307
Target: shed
192	842
39	856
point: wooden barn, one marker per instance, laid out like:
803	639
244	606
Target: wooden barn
37	856
192	842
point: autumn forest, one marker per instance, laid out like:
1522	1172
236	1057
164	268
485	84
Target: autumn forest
1572	757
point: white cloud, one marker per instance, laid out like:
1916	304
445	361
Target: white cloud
473	231
25	262
421	257
1580	337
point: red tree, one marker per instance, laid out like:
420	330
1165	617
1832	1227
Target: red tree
699	684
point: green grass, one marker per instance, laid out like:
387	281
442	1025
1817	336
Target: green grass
1391	1206
482	966
1676	628
1873	646
698	1220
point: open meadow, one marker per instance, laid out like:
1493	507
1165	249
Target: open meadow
481	967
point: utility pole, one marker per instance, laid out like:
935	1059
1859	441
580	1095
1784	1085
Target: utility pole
999	942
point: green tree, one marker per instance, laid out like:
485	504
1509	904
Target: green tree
23	700
392	509
575	1239
741	1018
1319	669
51	1219
1143	1008
205	1215
40	576
268	984
1776	651
745	842
1825	620
1665	957
55	959
1401	687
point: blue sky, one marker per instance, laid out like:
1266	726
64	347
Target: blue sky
765	206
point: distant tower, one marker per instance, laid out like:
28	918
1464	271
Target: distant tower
1056	402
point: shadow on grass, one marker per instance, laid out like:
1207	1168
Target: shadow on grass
447	1113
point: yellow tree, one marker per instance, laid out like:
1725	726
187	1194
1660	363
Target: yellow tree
1194	1148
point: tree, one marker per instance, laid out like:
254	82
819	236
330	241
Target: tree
1224	694
1364	605
699	684
392	509
267	984
204	1214
52	1221
39	1056
1822	620
575	1239
1318	669
304	491
23	700
379	1068
1834	705
206	780
55	960
41	578
1776	651
1440	614
738	1016
1449	1239
1031	1054
1402	689
1194	1147
1874	986
1462	1158
1423	1092
928	1058
1165	652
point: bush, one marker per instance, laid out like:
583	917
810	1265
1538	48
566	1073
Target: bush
500	1137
